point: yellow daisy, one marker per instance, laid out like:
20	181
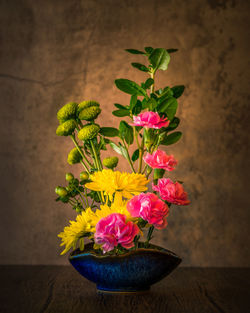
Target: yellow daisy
121	184
77	230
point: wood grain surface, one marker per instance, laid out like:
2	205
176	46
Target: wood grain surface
59	289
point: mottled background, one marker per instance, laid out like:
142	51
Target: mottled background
53	52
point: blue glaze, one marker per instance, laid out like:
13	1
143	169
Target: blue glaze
134	271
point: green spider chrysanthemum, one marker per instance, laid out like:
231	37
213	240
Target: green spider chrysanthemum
74	156
66	128
90	113
88	132
67	112
110	162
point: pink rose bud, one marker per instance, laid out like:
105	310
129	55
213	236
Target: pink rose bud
150	120
113	230
159	159
171	192
150	208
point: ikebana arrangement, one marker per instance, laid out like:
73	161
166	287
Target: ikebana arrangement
115	210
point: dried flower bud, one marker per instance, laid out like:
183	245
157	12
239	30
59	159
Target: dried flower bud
88	132
74	156
69	177
66	128
90	113
84	176
67	112
61	191
110	162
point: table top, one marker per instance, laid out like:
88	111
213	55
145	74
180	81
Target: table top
52	289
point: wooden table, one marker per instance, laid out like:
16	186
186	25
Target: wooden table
59	289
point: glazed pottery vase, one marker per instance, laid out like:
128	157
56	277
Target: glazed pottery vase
134	271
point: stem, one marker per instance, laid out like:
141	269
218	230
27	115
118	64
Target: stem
149	236
152	88
141	150
85	193
81	153
129	159
95	155
99	167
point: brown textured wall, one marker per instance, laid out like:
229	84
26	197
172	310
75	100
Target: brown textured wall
52	52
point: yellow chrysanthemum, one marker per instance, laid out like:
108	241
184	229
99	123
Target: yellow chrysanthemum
121	184
76	231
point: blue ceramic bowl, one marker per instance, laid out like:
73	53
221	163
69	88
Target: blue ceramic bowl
134	271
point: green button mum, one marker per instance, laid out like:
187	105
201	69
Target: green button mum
84	176
87	104
67	112
89	131
74	156
61	191
90	113
110	162
66	128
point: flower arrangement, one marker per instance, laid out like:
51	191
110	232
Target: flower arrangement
114	209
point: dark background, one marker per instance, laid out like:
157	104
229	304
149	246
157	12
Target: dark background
53	52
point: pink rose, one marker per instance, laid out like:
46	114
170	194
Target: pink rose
171	192
149	207
150	120
159	159
113	230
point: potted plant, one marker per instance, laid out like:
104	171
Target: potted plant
116	213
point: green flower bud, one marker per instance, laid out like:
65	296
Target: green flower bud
90	113
61	191
89	131
84	176
87	104
69	177
74	156
67	112
110	162
66	128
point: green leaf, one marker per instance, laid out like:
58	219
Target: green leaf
171	139
149	50
121	113
134	51
144	103
152	104
149	82
130	87
173	124
126	132
178	91
133	101
109	131
169	107
172	50
135	155
140	67
137	108
119	106
159	58
115	147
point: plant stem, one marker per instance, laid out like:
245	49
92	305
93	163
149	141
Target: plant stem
152	88
86	196
141	151
129	159
149	236
81	153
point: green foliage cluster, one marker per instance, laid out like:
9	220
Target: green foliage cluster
78	122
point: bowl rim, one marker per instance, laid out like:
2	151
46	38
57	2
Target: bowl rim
153	248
